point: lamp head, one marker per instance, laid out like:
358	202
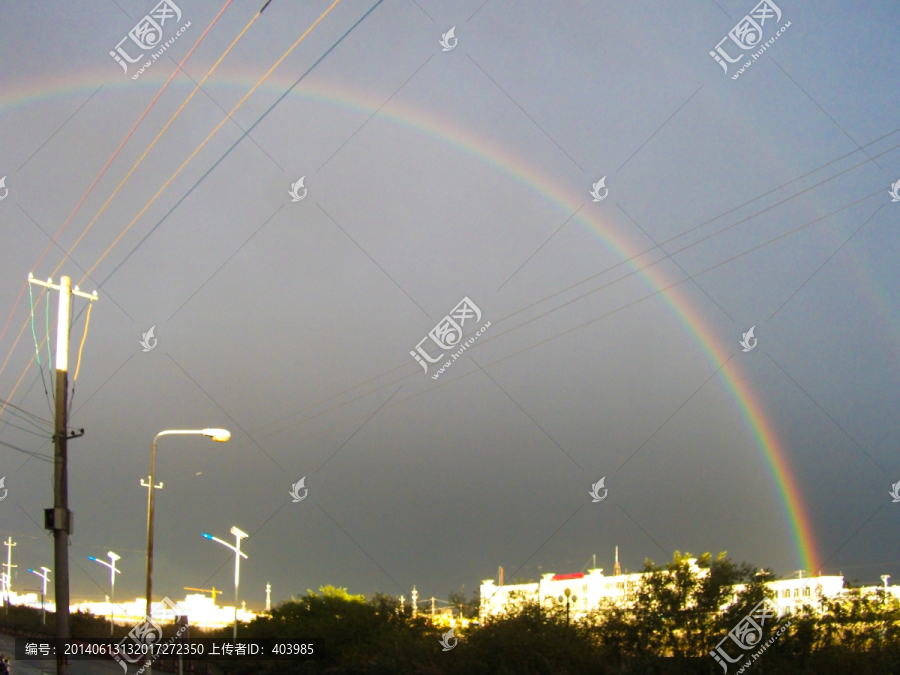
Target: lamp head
218	435
206	536
90	557
113	556
239	533
31	570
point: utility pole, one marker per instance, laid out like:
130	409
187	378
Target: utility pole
59	518
9	543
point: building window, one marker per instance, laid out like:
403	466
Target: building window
786	593
796	592
806	590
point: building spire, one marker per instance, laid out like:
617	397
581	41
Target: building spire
617	570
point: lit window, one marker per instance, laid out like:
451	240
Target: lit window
806	590
786	593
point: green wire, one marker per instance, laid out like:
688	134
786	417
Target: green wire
37	351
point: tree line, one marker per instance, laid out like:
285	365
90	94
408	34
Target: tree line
672	625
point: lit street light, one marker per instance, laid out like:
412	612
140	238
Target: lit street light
45	576
112	583
218	435
238	535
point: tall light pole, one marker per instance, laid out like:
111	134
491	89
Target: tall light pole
59	518
112	583
569	596
238	535
219	435
45	576
9	543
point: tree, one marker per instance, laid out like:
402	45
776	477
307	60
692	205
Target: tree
677	609
466	608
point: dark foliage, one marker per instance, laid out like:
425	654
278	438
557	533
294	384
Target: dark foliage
673	623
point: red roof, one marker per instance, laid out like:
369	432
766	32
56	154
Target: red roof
563	577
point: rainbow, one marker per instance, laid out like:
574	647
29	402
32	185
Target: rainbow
448	133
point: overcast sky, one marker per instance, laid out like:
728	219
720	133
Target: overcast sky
431	175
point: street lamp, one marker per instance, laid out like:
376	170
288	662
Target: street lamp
238	535
45	576
112	583
219	435
573	598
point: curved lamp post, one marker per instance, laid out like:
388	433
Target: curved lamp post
112	583
45	576
220	435
238	535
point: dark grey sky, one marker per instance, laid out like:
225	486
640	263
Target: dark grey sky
434	175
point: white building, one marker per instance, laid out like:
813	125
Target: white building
201	611
587	590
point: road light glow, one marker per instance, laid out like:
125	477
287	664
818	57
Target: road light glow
218	435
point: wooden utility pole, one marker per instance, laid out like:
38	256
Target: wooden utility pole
59	518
